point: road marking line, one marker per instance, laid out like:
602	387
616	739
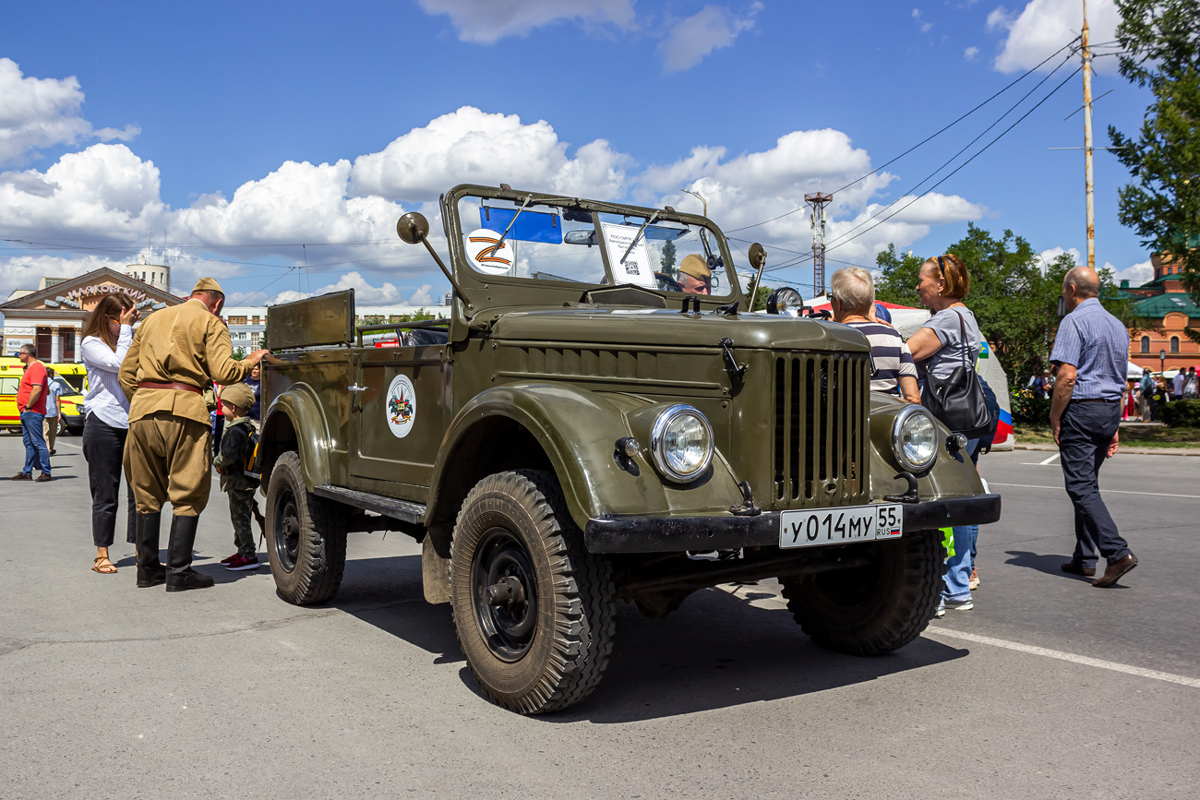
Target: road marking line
1050	459
1102	491
1182	680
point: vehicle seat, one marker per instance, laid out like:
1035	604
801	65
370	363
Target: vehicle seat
424	336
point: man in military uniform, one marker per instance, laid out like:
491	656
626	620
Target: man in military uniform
175	353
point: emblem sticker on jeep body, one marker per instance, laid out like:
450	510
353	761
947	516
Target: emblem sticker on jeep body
401	408
488	253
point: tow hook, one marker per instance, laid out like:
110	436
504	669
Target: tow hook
909	496
748	508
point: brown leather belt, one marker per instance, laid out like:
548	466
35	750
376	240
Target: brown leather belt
179	387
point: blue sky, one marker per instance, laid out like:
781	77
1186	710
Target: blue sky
223	137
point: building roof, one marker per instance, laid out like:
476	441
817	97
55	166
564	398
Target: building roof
1160	305
104	275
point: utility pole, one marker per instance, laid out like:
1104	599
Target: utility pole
818	201
1087	140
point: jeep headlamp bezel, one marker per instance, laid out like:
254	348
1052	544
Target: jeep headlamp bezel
903	427
666	457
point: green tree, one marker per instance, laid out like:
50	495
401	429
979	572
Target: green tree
760	298
239	353
1161	43
1014	294
668	258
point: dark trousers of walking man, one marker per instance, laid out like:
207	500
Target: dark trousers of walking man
1086	434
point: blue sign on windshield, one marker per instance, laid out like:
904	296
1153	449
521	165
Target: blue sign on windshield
531	226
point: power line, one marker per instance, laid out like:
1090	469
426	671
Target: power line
923	141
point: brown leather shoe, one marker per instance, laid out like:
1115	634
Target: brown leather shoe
1077	569
42	478
1115	570
21	476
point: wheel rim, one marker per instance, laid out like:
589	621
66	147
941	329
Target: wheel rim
287	531
504	593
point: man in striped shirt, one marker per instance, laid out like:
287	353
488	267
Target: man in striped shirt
852	297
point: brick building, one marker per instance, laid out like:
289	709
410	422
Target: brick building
1170	311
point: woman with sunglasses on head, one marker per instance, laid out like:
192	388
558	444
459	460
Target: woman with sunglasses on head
940	346
107	335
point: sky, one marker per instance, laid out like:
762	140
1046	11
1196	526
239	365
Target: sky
274	146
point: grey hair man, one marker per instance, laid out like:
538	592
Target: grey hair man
1091	351
852	298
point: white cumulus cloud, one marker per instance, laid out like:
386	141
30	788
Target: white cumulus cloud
488	21
42	112
1044	26
692	39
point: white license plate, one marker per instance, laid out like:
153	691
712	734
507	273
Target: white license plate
822	526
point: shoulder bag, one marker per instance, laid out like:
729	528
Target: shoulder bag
958	400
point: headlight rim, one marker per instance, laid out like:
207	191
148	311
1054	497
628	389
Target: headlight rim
657	443
897	446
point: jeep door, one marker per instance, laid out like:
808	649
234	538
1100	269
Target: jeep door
398	417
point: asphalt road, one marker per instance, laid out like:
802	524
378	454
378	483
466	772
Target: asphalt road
1049	688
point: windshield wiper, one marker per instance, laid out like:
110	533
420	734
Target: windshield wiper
512	222
638	238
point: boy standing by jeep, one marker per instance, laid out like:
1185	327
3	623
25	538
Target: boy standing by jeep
236	449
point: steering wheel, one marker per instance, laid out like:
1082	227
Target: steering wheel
666	283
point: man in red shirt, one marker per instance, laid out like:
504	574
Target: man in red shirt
31	402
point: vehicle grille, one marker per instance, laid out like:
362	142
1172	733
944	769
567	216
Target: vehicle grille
821	433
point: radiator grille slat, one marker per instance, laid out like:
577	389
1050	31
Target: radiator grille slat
820	442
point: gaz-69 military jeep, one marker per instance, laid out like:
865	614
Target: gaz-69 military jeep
582	431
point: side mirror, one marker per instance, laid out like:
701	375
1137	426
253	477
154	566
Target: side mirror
412	227
758	255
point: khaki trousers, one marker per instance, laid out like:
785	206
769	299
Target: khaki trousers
167	458
50	431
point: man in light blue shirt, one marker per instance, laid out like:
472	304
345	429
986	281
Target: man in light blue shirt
1091	350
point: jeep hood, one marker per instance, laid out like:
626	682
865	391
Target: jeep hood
641	326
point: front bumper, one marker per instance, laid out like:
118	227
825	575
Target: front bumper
637	534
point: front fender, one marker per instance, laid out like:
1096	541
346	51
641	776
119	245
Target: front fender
577	429
294	421
952	475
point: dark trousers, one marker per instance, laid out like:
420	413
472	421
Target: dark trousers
103	446
241	501
1087	430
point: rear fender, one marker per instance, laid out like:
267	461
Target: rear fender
294	421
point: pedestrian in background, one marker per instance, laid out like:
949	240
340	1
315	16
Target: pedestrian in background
1091	350
1147	390
107	335
948	339
852	298
237	447
255	412
54	390
1177	385
175	353
1190	386
31	403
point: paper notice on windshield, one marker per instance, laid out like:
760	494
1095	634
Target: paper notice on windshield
635	268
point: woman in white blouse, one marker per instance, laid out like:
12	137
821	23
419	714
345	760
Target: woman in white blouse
107	335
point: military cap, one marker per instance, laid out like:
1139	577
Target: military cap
695	266
208	285
239	394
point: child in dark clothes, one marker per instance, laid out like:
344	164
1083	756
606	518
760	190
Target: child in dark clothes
236	400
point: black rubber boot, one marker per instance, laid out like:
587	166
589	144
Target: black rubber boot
180	575
150	571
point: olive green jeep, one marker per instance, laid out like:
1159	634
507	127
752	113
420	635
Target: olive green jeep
599	421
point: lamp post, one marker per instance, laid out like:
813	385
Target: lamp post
1162	361
699	197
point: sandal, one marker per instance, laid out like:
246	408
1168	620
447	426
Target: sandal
107	568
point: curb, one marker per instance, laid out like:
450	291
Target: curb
1133	451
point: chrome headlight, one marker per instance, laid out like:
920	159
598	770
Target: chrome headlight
682	443
914	439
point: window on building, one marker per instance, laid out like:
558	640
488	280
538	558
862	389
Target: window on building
254	340
1145	344
66	345
43	342
255	319
237	320
1174	344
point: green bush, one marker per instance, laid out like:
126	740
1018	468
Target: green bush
1029	410
1181	413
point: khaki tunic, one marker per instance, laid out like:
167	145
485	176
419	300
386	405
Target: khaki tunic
167	455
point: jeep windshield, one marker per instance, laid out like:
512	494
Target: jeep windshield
535	238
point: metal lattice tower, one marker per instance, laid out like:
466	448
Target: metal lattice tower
818	201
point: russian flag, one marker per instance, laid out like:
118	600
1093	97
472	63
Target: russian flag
1003	427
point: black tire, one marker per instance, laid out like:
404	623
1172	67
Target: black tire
876	608
544	643
306	536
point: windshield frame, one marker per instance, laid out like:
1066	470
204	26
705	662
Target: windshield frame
491	291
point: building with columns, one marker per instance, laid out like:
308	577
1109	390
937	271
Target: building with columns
52	316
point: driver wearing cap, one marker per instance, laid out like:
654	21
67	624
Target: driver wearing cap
694	275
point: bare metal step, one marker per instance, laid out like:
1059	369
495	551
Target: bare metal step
380	504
